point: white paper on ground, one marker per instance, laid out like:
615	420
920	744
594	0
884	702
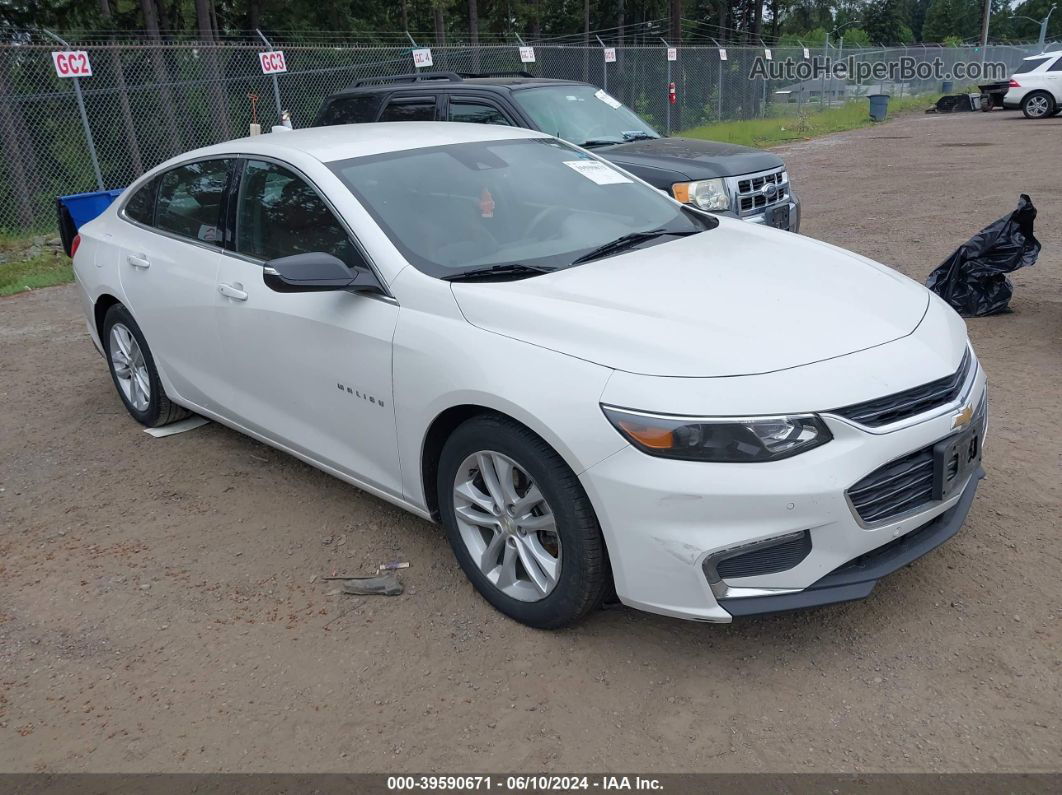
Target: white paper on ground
189	424
596	172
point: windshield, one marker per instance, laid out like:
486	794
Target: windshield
582	114
536	202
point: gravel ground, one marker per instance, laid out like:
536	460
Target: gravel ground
159	612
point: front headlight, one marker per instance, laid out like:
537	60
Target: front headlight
706	194
729	440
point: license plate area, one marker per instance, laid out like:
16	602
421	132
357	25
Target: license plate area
778	217
954	459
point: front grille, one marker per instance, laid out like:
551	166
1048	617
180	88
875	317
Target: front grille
910	402
767	560
897	487
749	192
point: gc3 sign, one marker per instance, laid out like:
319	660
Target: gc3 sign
72	63
273	62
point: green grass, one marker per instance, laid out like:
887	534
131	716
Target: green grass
43	270
795	126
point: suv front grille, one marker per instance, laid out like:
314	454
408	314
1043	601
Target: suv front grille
754	193
910	402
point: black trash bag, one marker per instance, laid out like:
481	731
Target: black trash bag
973	279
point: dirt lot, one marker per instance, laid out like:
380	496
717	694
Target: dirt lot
157	610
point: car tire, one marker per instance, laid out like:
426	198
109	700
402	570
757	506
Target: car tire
541	561
1038	105
134	373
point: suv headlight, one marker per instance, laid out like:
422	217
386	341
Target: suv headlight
730	440
706	194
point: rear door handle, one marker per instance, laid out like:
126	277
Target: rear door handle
232	291
138	261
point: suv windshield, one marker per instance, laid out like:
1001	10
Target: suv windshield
536	203
584	115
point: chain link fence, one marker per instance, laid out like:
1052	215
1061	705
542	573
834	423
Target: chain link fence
146	103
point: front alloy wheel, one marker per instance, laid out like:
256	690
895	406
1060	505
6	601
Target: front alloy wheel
507	526
520	523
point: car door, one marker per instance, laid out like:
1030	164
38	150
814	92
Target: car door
170	252
310	370
1053	78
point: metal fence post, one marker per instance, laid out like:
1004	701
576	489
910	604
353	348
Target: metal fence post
604	63
276	85
84	118
666	48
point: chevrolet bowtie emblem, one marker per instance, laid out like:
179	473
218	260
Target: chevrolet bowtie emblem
962	419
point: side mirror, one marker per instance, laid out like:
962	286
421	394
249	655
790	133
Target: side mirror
317	272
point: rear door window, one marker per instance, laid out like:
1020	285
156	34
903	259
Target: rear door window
190	198
409	109
1056	66
352	110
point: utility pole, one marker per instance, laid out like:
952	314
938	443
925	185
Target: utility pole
986	16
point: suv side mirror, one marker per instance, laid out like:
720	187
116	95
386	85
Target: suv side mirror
317	272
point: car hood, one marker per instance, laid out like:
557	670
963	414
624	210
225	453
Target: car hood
694	158
736	300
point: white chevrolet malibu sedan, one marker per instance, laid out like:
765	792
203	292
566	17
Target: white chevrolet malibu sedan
593	388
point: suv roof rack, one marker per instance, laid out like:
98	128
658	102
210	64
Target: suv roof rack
415	77
496	74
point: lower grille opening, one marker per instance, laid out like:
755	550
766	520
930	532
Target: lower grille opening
769	559
895	488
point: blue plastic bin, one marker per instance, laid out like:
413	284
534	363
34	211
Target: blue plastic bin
78	209
83	207
879	106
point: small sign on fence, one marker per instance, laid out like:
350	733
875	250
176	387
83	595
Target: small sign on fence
807	54
722	54
72	63
610	55
422	57
527	55
672	53
273	62
767	54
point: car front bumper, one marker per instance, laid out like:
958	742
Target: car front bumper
664	519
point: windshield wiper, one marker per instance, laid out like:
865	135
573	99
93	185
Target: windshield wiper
590	144
628	241
639	136
517	269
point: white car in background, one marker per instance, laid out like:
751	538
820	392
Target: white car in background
591	386
1036	86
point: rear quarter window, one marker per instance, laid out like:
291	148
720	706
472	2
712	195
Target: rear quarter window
1028	66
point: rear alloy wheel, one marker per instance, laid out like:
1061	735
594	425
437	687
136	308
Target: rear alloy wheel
133	371
1038	105
520	523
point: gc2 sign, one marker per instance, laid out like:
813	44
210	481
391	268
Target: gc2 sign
72	63
273	62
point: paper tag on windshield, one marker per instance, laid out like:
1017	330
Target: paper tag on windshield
615	103
596	172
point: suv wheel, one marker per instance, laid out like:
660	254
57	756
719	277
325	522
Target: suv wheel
1038	105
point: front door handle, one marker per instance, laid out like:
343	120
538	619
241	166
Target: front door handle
232	291
139	261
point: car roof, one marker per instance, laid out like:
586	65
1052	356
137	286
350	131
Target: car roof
431	80
1042	55
342	141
